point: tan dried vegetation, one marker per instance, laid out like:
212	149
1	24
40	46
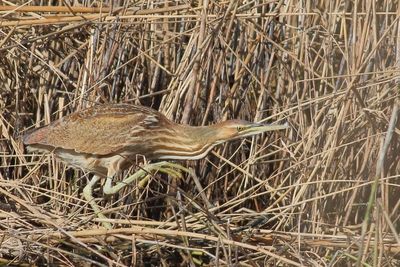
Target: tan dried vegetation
323	193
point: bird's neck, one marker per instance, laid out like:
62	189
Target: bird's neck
194	143
201	134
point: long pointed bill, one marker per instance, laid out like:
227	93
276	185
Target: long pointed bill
258	128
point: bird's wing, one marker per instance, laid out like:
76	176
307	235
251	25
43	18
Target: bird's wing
100	130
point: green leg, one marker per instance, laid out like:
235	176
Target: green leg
88	195
172	169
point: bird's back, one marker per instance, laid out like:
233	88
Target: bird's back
99	130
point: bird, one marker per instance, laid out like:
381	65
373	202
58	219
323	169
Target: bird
105	139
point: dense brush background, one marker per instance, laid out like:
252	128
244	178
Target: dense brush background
323	193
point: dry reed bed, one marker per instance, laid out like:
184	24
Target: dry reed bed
324	193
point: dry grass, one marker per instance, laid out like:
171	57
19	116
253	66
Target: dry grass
324	193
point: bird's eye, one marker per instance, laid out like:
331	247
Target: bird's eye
240	128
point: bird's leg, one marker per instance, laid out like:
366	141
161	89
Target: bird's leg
88	195
172	169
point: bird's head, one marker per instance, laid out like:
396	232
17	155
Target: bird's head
235	129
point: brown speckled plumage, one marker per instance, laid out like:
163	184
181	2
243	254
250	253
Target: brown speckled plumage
107	138
99	130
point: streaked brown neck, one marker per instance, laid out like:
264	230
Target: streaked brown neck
188	142
202	134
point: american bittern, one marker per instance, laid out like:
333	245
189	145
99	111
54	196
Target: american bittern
106	139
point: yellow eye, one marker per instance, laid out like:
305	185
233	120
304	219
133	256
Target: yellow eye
240	128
